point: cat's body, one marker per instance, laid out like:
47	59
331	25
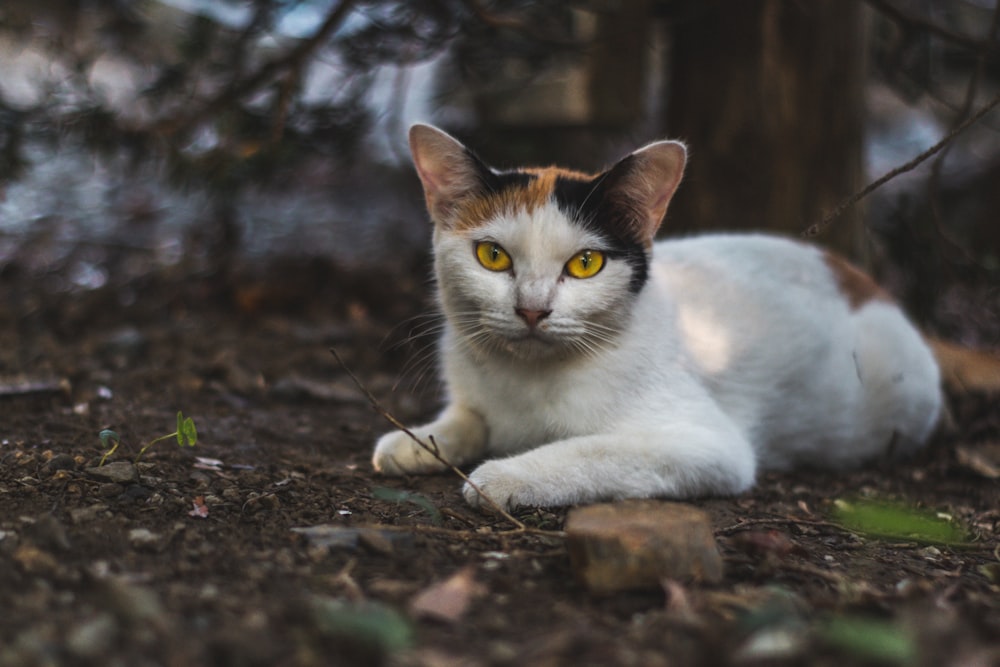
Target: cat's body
597	364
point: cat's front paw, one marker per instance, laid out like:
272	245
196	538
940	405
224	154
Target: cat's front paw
396	453
504	484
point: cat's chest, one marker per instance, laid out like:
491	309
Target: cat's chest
525	406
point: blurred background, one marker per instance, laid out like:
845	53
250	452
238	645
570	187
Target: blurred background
252	154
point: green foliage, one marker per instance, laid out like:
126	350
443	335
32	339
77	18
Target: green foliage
896	521
869	639
186	434
400	496
368	623
105	436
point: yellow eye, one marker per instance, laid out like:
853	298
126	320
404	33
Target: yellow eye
492	256
585	264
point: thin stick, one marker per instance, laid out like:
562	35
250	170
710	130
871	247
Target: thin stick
913	22
818	228
431	449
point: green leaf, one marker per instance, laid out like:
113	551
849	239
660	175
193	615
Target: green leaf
189	432
108	434
400	496
105	436
368	623
896	521
180	429
870	639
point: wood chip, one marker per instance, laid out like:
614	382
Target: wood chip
638	544
447	600
21	385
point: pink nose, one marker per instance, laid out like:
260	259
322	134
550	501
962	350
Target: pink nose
532	317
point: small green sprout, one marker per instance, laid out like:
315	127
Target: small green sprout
105	435
186	434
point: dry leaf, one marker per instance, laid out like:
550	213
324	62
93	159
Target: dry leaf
205	463
447	600
978	462
200	510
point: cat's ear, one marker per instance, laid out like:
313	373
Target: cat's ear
448	171
644	183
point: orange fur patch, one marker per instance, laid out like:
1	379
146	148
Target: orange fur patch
856	285
477	211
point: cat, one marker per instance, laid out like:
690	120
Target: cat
589	362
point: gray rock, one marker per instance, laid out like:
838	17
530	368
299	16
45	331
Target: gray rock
120	472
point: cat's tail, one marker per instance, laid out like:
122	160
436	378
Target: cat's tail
965	369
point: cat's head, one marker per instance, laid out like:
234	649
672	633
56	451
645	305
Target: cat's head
541	263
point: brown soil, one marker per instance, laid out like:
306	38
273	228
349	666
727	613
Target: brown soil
197	563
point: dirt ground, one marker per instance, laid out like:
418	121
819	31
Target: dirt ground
196	556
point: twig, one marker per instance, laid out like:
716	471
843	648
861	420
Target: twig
501	22
899	16
293	60
818	228
937	168
771	521
22	386
431	448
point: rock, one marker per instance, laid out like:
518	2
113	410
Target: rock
48	533
59	462
120	472
35	561
85	514
92	638
638	544
134	603
109	490
143	537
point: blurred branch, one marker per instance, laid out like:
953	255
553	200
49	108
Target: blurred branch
937	168
818	228
510	23
293	61
914	22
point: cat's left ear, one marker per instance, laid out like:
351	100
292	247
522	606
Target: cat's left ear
448	171
644	183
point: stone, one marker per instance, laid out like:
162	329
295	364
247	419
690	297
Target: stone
119	472
58	463
639	544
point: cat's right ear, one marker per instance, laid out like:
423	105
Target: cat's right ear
448	171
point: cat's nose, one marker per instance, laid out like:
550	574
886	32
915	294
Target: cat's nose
532	317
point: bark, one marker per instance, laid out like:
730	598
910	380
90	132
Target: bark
769	96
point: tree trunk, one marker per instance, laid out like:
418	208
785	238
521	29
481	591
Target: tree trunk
769	96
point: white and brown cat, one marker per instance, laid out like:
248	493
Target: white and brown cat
588	362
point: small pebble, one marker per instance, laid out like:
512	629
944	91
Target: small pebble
109	490
142	537
59	462
120	472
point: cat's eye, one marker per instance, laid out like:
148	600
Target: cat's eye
492	256
585	264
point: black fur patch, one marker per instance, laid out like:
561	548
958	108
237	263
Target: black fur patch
590	204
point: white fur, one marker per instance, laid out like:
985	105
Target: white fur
738	354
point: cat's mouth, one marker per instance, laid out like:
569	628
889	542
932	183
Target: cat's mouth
534	344
531	345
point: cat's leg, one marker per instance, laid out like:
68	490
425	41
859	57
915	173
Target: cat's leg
459	433
679	461
900	382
